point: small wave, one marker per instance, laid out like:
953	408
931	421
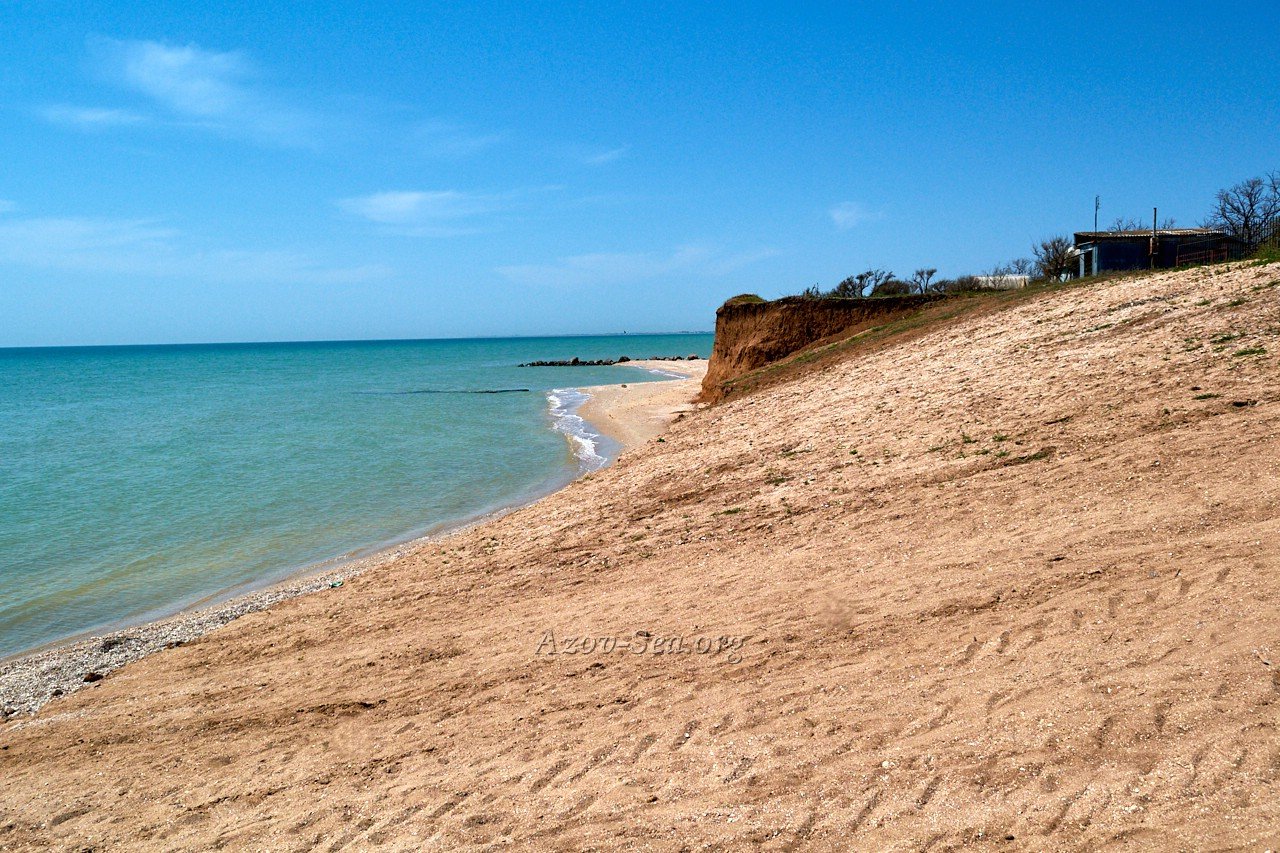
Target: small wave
564	404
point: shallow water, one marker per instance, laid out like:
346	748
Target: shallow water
135	481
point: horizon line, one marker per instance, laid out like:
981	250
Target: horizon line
248	343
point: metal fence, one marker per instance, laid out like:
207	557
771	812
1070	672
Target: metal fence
1209	251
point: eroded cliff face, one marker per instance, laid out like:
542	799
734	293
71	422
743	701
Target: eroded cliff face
752	333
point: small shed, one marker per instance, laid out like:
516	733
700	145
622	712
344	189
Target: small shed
1106	251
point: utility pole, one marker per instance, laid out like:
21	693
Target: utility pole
1155	237
1097	204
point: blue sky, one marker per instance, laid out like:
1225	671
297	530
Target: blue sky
186	172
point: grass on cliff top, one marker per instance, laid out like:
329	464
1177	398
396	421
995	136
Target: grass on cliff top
909	326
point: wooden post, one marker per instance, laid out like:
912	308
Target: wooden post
1155	239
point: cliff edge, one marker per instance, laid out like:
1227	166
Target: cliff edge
751	332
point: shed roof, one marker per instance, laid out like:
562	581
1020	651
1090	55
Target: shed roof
1086	236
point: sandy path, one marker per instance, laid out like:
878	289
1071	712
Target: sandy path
1014	588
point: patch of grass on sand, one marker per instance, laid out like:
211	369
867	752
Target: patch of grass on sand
1241	353
1042	453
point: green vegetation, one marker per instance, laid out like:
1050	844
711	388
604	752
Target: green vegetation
744	299
1268	254
1042	453
1241	353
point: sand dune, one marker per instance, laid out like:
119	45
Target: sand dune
1012	585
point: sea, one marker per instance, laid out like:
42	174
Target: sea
138	481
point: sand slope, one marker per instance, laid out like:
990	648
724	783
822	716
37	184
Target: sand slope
1013	587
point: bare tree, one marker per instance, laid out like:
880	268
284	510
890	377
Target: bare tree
1021	266
1129	223
869	280
1249	210
920	278
862	284
1053	257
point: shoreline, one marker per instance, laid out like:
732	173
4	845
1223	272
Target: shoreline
632	415
628	414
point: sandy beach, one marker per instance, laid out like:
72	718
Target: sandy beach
1010	584
633	413
629	413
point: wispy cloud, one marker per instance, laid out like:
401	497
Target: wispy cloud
147	247
850	214
449	140
90	118
603	157
188	85
625	267
438	213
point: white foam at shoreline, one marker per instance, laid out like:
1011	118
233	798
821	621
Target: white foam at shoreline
564	404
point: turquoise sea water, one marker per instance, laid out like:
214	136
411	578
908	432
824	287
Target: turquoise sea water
135	481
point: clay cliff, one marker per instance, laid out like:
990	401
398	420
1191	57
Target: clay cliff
751	333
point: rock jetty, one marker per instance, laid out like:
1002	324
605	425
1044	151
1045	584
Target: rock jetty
605	362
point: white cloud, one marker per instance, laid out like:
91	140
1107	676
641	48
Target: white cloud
625	267
187	79
604	157
407	207
428	213
445	139
850	214
145	247
188	84
89	118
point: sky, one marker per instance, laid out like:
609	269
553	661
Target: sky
359	170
